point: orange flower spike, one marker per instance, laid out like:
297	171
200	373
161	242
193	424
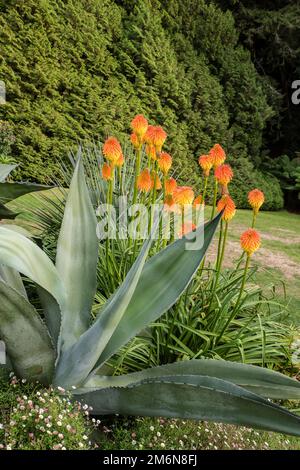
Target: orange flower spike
155	178
148	135
165	162
120	162
158	137
250	241
134	140
171	185
183	195
187	227
198	201
150	151
144	181
206	163
139	125
229	207
256	199
112	150
218	155
224	175
106	172
169	203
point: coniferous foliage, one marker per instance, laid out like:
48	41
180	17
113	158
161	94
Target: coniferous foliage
76	70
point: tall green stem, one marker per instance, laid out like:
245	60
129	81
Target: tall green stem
215	200
137	172
237	304
204	189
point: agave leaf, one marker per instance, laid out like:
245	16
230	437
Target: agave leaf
12	277
52	314
19	229
164	278
10	191
5	170
26	338
145	295
194	397
6	213
76	260
256	379
21	254
79	359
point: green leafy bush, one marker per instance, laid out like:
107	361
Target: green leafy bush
246	177
78	70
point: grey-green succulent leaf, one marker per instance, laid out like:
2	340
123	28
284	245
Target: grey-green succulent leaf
5	170
12	277
194	397
6	213
76	260
147	292
21	254
164	278
11	191
259	380
76	363
52	314
26	338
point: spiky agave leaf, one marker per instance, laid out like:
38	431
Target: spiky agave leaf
26	338
259	380
194	397
145	295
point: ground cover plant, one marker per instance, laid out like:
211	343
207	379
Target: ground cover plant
69	347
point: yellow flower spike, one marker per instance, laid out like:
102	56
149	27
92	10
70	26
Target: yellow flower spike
139	125
206	163
144	181
228	205
224	175
218	155
250	241
107	172
183	195
155	178
165	162
135	140
150	151
256	199
112	150
171	185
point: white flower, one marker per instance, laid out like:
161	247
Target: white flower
85	437
59	423
1	426
151	428
162	444
80	444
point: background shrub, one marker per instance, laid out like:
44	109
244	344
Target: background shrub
80	70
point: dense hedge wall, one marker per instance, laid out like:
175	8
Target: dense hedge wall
80	69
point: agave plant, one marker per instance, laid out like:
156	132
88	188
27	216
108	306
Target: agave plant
10	191
64	347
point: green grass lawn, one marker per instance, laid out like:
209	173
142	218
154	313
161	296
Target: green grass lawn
278	259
